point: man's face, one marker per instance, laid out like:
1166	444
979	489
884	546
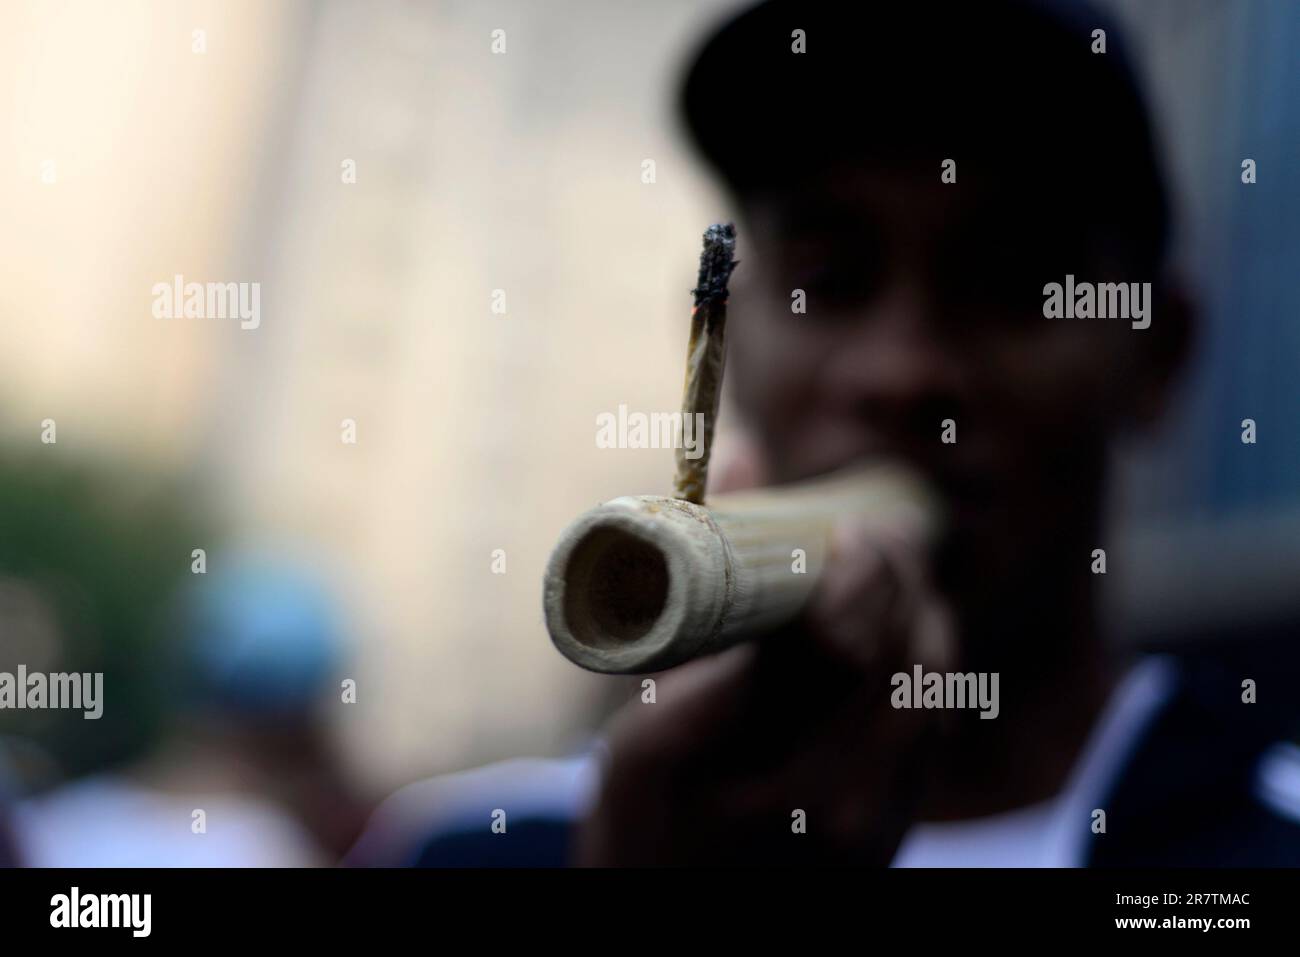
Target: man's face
924	304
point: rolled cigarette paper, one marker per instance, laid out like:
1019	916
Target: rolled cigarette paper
706	357
644	583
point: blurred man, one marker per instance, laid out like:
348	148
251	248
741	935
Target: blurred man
921	177
244	776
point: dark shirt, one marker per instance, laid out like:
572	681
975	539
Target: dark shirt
1208	780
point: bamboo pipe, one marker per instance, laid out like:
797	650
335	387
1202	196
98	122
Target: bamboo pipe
644	583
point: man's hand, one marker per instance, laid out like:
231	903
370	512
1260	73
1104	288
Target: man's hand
715	771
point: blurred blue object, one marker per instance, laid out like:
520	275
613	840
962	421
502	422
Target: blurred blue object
261	636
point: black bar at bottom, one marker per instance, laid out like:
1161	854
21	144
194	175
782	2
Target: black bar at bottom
441	906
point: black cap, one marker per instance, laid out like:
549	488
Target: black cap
1010	89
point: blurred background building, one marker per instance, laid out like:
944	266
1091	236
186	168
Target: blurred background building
129	156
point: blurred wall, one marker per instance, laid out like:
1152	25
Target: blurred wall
1224	84
126	158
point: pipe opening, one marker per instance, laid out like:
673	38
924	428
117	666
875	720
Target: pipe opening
615	588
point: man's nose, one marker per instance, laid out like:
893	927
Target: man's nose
894	365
